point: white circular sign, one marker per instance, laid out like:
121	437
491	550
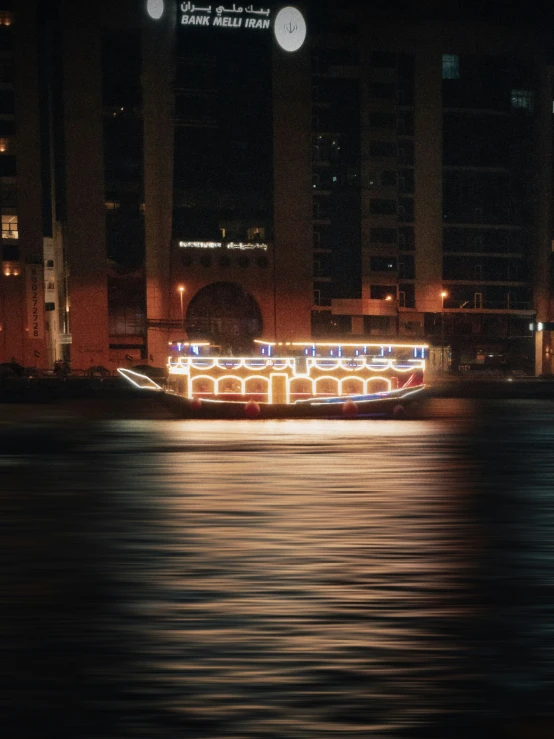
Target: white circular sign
155	9
290	29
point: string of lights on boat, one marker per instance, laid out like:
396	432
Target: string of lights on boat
182	365
296	388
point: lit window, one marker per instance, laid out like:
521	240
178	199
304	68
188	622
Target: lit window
450	67
112	205
522	99
256	234
9	227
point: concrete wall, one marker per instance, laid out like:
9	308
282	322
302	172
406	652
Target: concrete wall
255	280
292	192
157	88
428	188
84	232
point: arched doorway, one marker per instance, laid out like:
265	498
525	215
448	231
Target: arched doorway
226	314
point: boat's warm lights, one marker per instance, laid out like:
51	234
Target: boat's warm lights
353	344
346	363
139	380
357	345
183	344
287	377
299	388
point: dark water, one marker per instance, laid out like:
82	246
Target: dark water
279	579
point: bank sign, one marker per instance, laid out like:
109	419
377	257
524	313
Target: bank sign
288	25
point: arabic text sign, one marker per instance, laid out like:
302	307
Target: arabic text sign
35	301
222	17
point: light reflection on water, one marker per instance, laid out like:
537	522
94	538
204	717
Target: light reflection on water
281	579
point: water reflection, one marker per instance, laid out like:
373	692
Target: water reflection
279	579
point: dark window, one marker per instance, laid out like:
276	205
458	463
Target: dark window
6	101
321	321
7	166
6	70
6	38
10	253
380	292
406	296
382	264
379	149
406	152
262	262
382	90
481	197
378	325
206	260
186	260
7	128
378	119
379	206
406	180
49	306
121	70
406	267
405	123
225	261
243	262
406	239
485	241
382	59
405	209
388	178
382	235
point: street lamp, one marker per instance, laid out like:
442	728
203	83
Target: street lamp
181	291
444	295
389	299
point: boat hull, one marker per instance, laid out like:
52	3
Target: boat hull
386	406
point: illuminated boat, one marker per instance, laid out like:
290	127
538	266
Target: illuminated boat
293	379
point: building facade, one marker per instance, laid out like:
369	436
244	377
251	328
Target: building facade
175	176
439	135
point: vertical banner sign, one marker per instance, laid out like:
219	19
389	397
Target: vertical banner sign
35	301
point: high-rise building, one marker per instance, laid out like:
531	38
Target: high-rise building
431	151
22	308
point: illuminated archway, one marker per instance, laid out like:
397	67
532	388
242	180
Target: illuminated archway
225	314
352	386
378	385
327	386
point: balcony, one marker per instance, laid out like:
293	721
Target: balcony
363	307
478	305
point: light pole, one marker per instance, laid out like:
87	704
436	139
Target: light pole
390	298
444	295
181	291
